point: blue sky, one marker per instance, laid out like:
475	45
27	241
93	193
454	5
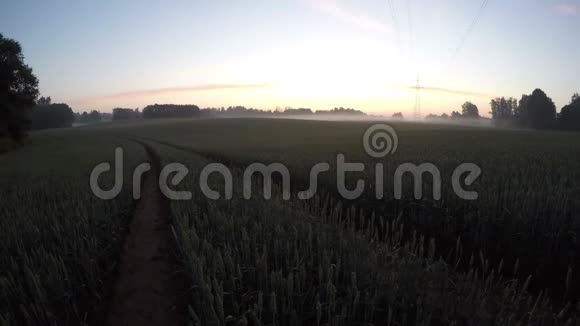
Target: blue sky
299	53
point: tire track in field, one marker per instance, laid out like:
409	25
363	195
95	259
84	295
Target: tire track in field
148	290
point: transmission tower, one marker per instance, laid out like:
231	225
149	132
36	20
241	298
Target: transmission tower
418	100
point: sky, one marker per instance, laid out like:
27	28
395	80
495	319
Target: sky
319	54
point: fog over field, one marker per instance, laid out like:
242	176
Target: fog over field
289	162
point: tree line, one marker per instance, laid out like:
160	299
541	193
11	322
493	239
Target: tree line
46	115
18	90
536	111
20	111
468	111
234	111
125	114
92	116
158	111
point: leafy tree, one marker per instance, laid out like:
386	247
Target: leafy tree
469	110
455	115
44	100
106	116
86	117
398	115
124	114
503	110
569	117
299	111
170	111
156	111
18	90
51	116
536	111
341	111
519	113
94	116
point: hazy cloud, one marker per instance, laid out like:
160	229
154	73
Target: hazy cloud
451	91
345	15
167	91
567	9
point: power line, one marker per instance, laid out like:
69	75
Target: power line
393	13
410	20
394	19
444	69
417	109
471	28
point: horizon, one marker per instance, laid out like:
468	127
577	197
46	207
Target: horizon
304	53
291	162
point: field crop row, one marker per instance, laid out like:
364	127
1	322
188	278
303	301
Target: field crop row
59	243
292	262
528	205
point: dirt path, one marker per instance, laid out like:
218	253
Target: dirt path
148	290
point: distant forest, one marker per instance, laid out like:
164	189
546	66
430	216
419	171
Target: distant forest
157	111
533	111
48	115
21	109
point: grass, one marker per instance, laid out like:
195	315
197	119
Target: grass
59	242
507	258
7	145
528	202
305	263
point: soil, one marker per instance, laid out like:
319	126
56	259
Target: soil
148	289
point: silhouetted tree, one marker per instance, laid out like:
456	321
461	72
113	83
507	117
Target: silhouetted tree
170	111
536	111
503	110
519	112
287	111
440	118
106	116
18	90
51	116
469	110
569	117
299	111
44	101
341	111
455	115
398	115
94	116
124	114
